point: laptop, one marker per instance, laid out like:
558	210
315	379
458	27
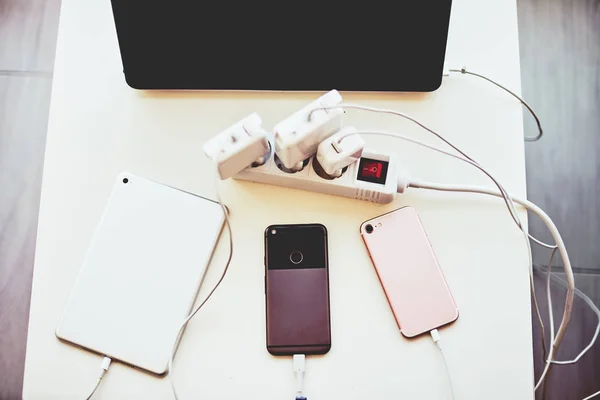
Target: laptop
379	45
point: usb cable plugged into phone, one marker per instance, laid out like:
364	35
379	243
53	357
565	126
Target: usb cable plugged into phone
299	368
435	335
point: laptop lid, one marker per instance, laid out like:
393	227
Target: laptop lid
379	45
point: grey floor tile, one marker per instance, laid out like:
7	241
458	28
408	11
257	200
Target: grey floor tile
575	381
28	30
24	103
560	66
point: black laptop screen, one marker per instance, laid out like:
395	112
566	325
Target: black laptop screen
376	45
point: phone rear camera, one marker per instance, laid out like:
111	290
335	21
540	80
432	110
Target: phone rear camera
369	228
296	257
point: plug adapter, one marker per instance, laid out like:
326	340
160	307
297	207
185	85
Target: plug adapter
297	137
242	144
340	150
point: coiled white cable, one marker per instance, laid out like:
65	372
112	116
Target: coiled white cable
555	234
583	297
555	343
507	199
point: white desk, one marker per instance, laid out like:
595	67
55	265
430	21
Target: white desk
99	127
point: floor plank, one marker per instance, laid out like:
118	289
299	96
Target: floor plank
560	64
28	30
24	103
560	67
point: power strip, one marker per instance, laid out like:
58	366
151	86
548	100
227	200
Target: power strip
374	177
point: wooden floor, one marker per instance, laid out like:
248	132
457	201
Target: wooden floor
560	67
560	59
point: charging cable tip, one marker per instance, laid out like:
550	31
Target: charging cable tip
105	364
435	335
299	367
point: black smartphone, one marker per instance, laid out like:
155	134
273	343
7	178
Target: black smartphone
297	289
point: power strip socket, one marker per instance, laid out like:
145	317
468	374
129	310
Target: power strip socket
374	177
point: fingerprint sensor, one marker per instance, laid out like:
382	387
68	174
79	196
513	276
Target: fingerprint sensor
296	257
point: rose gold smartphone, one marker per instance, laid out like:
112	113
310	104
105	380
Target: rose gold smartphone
408	270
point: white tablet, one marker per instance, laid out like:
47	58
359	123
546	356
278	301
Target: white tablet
142	273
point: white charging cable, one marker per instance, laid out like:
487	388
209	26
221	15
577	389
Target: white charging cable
535	138
436	134
435	335
105	365
554	232
189	317
593	395
555	342
508	200
590	304
299	367
299	360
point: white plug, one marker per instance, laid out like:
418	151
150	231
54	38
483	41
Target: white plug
299	368
242	144
297	137
340	150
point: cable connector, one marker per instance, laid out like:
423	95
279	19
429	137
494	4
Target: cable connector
105	365
435	335
299	368
445	70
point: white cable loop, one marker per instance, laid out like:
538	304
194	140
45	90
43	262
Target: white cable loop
509	203
189	317
592	306
555	234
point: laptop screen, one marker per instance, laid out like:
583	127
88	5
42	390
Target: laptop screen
376	45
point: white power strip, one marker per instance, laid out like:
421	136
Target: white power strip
374	177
